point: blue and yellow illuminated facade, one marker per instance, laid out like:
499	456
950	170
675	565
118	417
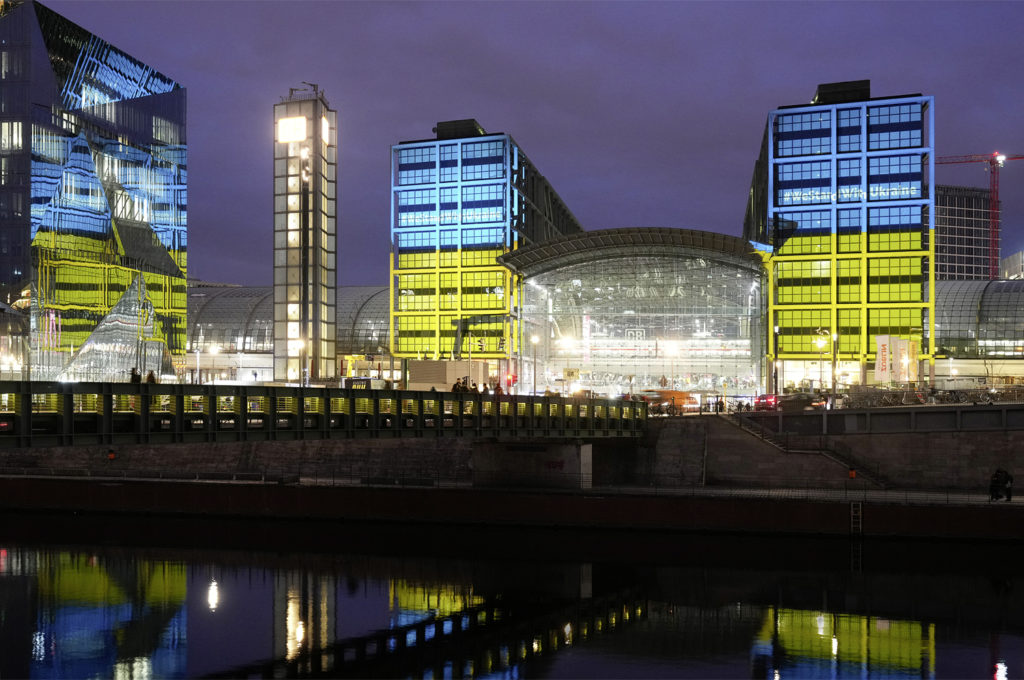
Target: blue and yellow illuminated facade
458	203
93	217
842	211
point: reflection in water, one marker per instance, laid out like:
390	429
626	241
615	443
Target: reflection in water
141	613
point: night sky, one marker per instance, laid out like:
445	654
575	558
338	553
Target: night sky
638	113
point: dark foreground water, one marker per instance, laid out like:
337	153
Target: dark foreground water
96	597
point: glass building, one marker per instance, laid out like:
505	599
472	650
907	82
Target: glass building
841	206
963	243
459	202
93	215
627	310
305	230
231	330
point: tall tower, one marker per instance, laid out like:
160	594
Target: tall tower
93	203
843	206
305	228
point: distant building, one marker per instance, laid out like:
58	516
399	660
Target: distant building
963	242
840	207
459	202
305	237
93	228
1012	266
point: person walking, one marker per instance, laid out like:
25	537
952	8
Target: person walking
1008	487
151	377
457	387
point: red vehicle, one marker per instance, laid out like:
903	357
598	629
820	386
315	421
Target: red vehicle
766	402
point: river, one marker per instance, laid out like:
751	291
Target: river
101	597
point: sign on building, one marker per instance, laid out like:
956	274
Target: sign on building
883	359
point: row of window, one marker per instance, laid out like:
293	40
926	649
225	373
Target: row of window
480	160
897	126
450	239
479	204
889	178
429	259
808	331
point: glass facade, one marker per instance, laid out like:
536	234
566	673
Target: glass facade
840	203
460	202
627	310
93	200
305	237
962	233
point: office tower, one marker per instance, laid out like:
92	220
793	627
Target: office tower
460	201
92	203
963	233
841	208
305	228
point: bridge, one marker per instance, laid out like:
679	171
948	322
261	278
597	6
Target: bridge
48	414
492	638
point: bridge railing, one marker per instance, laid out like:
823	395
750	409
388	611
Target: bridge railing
63	414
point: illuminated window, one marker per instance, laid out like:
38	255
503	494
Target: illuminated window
894	127
294	129
803	134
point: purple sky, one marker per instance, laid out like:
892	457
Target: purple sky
638	113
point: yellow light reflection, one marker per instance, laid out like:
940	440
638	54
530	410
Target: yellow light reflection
294	630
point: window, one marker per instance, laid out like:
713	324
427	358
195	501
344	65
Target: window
895	279
483	160
848	182
803	134
894	127
802	282
798	329
449	208
803	183
893	178
417	208
416	165
807	231
483	203
848	132
10	135
449	163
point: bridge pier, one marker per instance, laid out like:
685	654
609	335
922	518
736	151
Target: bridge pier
565	465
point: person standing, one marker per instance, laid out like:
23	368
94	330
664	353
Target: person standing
1008	487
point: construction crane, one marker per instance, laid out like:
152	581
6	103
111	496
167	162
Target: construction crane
995	161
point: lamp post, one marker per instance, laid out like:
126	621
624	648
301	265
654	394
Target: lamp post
820	342
775	362
835	358
533	341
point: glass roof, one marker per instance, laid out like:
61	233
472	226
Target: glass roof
240	318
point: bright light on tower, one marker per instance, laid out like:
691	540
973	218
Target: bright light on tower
292	129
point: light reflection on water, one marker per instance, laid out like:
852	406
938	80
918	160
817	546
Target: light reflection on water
146	613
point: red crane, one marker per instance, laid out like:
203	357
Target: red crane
995	161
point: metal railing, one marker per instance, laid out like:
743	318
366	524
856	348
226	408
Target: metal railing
40	414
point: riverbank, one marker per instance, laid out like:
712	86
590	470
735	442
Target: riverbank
837	513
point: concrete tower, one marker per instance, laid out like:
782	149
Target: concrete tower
305	228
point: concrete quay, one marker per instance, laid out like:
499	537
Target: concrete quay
694	474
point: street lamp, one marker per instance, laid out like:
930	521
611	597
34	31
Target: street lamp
835	358
672	350
820	342
533	341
